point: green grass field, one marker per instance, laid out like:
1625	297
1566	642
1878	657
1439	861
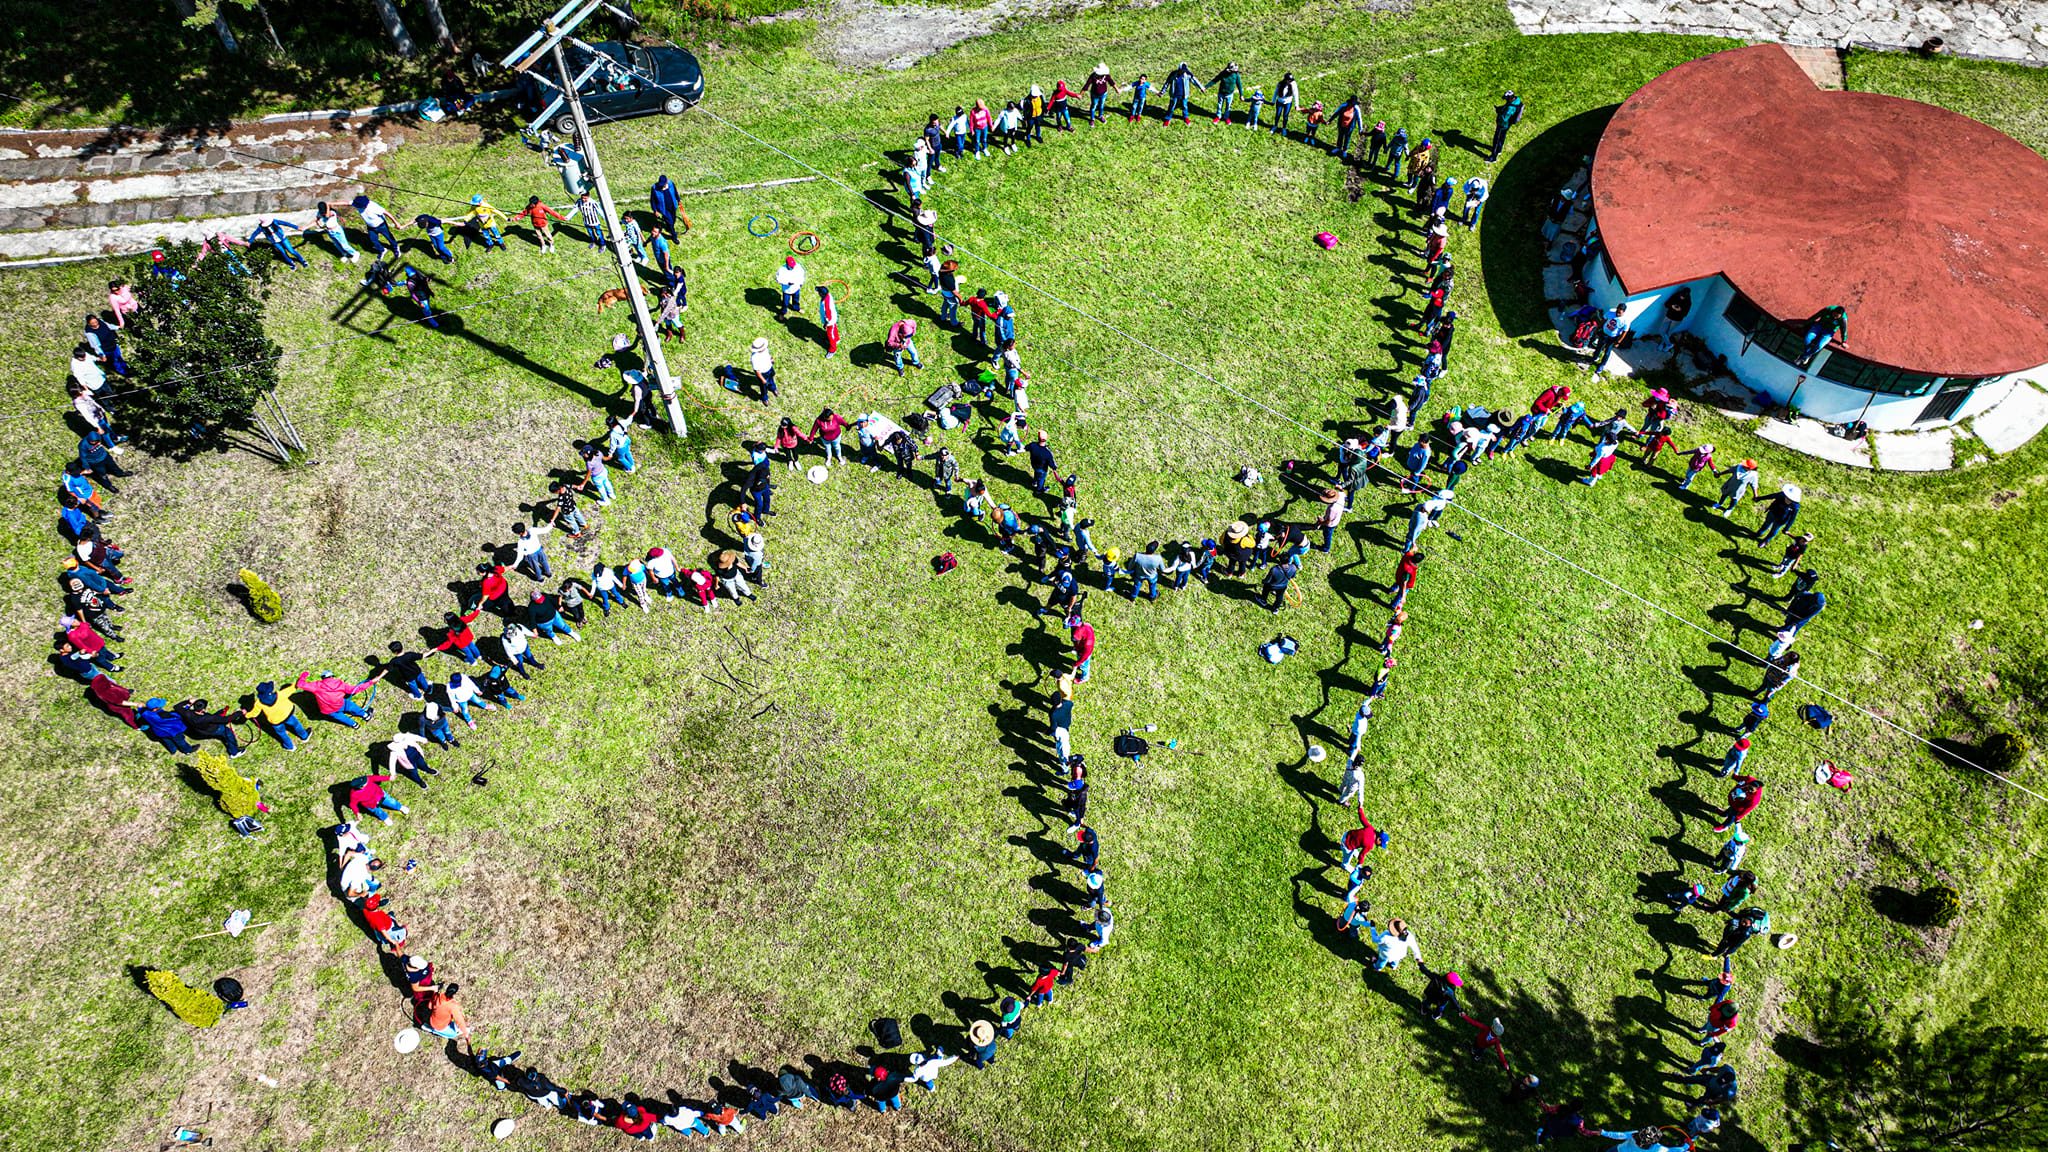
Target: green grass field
658	882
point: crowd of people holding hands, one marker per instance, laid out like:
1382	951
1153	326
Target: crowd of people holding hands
1059	549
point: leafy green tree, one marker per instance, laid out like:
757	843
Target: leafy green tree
1973	1084
195	1006
199	344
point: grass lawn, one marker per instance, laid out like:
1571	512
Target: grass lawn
659	882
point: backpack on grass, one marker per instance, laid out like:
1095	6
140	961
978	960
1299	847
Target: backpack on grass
943	563
1131	745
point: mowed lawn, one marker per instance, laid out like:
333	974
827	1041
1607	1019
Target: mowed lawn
665	876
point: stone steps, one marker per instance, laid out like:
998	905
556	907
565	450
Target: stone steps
109	190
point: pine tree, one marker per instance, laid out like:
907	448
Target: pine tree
264	602
1972	1084
195	1006
234	792
200	345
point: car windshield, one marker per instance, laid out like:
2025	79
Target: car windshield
643	62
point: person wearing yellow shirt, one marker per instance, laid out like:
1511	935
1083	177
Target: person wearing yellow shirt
488	222
275	713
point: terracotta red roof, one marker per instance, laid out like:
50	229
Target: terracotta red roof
1930	228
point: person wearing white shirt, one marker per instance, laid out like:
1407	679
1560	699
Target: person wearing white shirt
1395	944
462	692
764	366
532	556
518	653
926	1066
790	278
377	222
86	370
604	585
661	568
407	754
357	880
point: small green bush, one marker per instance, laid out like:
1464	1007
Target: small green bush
2004	751
234	792
195	1006
1940	905
264	602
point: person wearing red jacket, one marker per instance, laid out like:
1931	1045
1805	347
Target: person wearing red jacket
389	932
91	646
113	698
1721	1020
1486	1040
1360	840
1084	650
366	797
496	591
1404	578
634	1120
460	641
1042	988
1743	799
332	694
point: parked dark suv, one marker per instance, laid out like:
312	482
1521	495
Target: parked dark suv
619	92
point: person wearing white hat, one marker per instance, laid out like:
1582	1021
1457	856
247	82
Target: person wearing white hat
1779	513
982	1035
764	367
926	1066
1099	85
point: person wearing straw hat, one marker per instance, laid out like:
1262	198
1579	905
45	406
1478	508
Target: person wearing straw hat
1779	513
981	1038
1098	85
764	367
1332	500
1394	945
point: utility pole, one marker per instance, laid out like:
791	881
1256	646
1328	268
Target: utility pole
550	38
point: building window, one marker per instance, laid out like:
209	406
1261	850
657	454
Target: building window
1856	372
1762	331
1840	367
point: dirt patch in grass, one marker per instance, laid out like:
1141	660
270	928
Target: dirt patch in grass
870	34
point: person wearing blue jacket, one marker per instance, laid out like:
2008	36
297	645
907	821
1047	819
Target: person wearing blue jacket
663	199
1180	84
163	726
271	231
1397	150
105	344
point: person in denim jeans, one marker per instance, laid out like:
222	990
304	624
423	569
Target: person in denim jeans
1100	84
1286	94
949	292
1180	84
546	619
901	340
1146	568
1141	90
979	121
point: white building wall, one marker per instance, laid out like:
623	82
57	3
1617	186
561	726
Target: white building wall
1764	373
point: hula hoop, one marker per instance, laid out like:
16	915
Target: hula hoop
838	287
1292	596
796	243
774	225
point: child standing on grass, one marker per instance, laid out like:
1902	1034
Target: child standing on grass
1316	118
1258	101
1141	88
422	293
437	237
537	214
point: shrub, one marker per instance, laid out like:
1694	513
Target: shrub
2004	751
234	792
195	1006
264	602
1941	904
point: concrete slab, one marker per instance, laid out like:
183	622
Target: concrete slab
1813	438
2011	31
1557	283
119	239
2014	421
1929	451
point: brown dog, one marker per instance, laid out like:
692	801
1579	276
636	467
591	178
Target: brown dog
613	296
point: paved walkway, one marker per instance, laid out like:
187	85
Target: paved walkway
2004	29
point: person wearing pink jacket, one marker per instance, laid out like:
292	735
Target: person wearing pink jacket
366	797
902	340
332	694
